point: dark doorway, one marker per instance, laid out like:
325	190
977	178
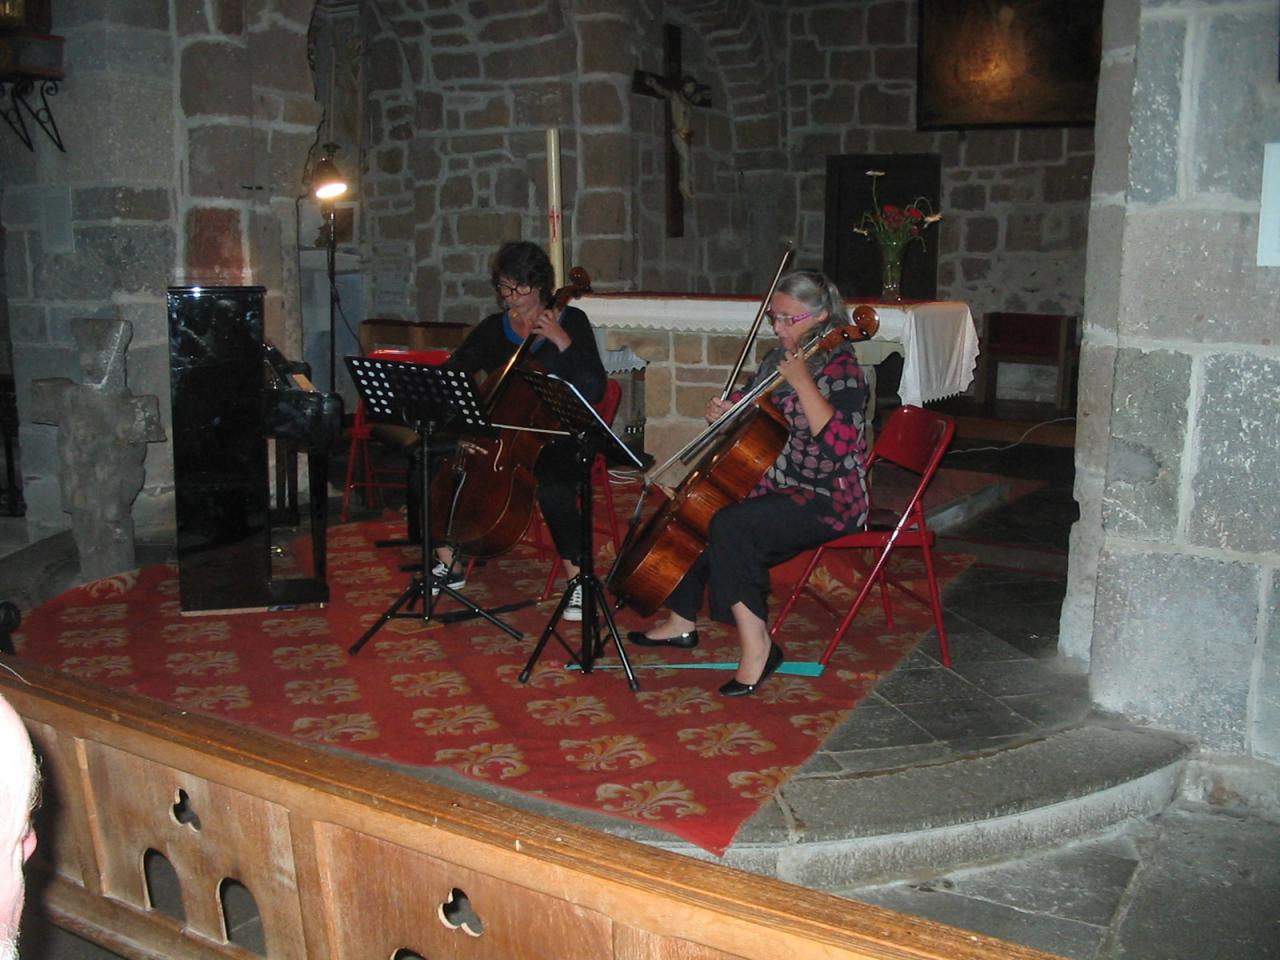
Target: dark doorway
852	260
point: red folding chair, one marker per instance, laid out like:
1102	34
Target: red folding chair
362	473
915	440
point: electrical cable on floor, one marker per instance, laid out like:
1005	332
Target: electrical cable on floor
1034	426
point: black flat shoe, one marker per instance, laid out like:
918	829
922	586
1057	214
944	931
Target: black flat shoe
686	641
735	688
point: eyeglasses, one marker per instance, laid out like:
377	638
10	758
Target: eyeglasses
785	319
512	290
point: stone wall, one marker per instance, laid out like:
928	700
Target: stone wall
1173	581
187	128
460	99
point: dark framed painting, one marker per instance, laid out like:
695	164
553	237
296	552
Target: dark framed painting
1008	63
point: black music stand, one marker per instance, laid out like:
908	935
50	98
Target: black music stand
423	397
592	436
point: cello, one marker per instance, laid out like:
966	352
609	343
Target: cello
655	557
483	495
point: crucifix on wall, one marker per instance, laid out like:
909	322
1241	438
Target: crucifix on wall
681	94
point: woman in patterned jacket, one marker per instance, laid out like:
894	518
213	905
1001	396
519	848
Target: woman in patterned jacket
814	492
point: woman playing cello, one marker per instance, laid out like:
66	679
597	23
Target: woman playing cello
814	492
523	280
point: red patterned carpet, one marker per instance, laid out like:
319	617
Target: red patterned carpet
675	756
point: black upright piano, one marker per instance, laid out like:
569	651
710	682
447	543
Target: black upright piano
232	393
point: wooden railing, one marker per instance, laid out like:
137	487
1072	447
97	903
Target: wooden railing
346	860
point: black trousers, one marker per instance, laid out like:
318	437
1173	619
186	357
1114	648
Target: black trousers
745	541
557	473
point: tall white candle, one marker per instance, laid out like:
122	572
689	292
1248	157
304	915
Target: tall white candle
555	235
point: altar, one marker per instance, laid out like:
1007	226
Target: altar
937	339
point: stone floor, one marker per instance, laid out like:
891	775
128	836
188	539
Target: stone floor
1166	881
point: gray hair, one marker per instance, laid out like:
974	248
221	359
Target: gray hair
816	292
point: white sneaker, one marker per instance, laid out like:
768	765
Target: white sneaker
573	609
457	580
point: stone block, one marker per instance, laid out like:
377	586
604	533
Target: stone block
148	371
1148	432
969	196
1199	281
1024	230
722	351
28	323
1075	625
142	14
286	50
1175	638
1239	55
1111	130
981	234
215	251
1104	256
985	148
842	25
120	49
428	110
384	64
545	58
887	23
119	258
1235	506
691	401
457	193
1068	182
1154	126
511	186
1093	407
849	67
610	261
599	42
688	348
124	203
652	346
1040	145
758	134
228	62
150	321
878	107
221	160
1265	732
606	159
455	66
657	391
19	207
601	212
601	105
494	114
487	228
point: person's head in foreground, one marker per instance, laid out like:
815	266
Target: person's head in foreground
19	788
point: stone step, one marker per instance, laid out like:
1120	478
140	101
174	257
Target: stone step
856	829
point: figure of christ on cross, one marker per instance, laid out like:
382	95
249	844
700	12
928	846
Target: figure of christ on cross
681	93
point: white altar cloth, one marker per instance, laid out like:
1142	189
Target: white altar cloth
937	339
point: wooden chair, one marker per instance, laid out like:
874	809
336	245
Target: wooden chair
915	440
1037	338
362	473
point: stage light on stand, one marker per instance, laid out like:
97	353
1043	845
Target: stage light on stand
327	185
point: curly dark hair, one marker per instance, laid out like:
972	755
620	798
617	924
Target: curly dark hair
525	262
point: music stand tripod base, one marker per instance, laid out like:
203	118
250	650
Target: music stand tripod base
420	396
593	436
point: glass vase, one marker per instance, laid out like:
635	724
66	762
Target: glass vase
891	276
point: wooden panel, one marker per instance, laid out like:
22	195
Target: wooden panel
349	860
404	903
208	832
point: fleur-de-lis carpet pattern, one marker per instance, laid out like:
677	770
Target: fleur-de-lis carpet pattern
675	755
